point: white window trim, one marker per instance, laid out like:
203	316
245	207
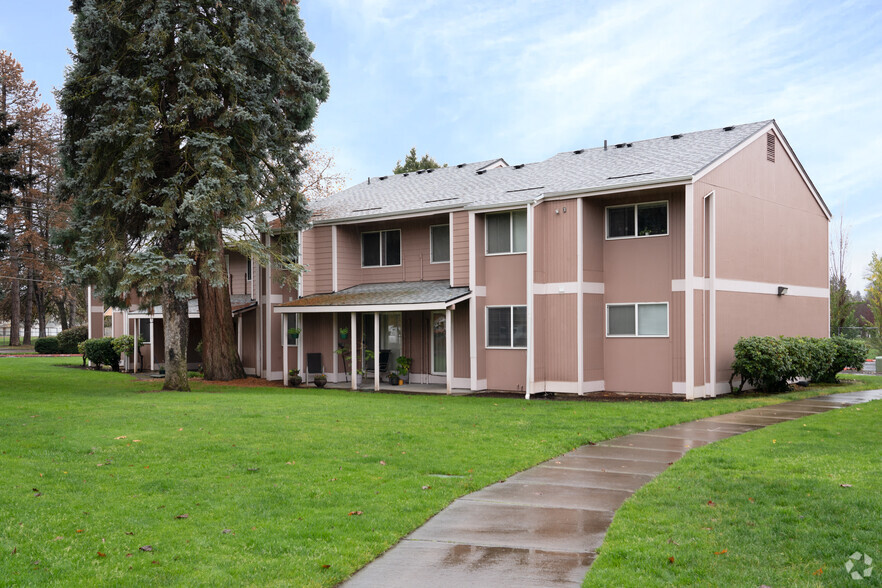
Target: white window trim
636	205
510	236
400	253
432	248
511	308
637	321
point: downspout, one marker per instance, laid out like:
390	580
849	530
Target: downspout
711	211
689	291
531	352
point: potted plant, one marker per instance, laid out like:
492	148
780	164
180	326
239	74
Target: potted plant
320	380
393	378
294	378
344	333
294	332
404	364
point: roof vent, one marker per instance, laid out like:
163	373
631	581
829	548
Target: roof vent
419	171
428	171
461	165
619	145
676	136
383	177
578	151
406	174
481	171
630	144
727	129
518	166
770	147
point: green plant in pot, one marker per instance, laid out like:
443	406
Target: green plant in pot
404	363
320	380
294	332
294	378
393	378
344	333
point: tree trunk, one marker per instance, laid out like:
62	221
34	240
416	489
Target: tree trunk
176	328
40	301
62	313
220	353
14	290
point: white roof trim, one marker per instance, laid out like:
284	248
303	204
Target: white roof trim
371	307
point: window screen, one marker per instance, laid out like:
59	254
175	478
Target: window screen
621	320
499	233
440	236
652	319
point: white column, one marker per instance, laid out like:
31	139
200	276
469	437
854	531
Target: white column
712	303
580	292
448	347
136	347
473	305
285	348
376	352
531	353
152	346
334	260
450	243
334	336
301	365
353	349
689	293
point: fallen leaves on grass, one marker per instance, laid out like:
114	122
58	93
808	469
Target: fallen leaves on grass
183	516
227	531
382	462
721	552
427	487
326	566
818	572
146	548
100	554
120	437
671	559
711	503
845	485
356	513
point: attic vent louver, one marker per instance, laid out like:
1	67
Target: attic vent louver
518	166
481	171
727	129
770	147
676	136
461	165
578	151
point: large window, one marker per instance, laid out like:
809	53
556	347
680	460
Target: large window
507	326
637	320
439	236
637	220
506	232
144	329
381	248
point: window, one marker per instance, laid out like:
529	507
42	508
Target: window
381	248
144	330
637	220
507	326
506	232
293	334
248	269
637	320
439	237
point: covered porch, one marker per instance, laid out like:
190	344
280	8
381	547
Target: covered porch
362	335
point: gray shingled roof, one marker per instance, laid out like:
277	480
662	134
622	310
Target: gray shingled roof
394	293
653	160
238	302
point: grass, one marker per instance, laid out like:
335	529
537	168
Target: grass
280	486
764	508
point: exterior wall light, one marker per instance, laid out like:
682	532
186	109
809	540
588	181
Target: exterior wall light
782	290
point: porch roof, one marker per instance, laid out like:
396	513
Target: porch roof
430	295
238	303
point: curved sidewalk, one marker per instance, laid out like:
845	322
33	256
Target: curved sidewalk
542	526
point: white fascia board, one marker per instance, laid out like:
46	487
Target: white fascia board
382	216
628	187
369	308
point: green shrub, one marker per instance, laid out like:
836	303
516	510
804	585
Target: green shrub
46	345
769	363
125	344
101	352
846	353
70	338
81	349
762	362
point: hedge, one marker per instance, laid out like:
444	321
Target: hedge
770	363
68	339
46	345
101	352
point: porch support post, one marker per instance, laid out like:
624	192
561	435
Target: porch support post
285	348
334	344
301	365
448	347
152	345
353	348
136	347
376	352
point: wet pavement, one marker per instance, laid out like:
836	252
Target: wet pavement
542	526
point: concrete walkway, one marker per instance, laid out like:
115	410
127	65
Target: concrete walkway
542	527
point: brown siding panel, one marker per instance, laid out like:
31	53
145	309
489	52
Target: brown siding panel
459	232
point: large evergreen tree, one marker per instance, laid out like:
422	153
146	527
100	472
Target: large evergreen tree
184	119
413	163
8	178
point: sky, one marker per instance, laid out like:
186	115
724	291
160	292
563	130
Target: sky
470	81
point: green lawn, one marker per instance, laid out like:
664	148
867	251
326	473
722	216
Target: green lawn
763	508
280	487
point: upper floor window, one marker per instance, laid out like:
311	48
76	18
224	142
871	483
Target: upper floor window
506	232
439	235
637	220
248	269
381	248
